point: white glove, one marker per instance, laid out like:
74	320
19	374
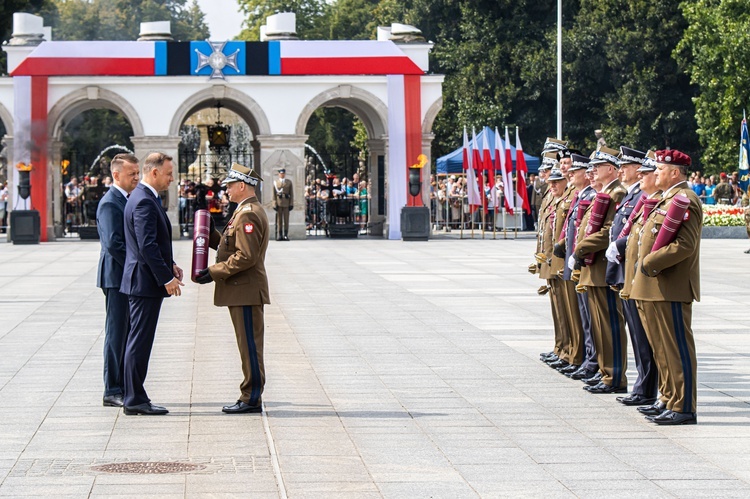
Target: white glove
571	262
612	252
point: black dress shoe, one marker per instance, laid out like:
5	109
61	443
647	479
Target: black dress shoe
147	409
544	356
603	388
654	409
671	418
112	401
559	363
593	380
241	407
286	238
570	369
636	399
551	359
582	374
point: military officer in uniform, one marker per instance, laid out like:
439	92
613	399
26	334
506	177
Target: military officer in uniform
283	203
544	255
665	284
241	282
577	303
607	322
645	385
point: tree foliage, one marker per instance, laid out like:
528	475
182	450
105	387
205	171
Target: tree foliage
715	52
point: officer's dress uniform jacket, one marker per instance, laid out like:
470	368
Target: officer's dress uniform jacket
665	284
242	285
607	323
283	200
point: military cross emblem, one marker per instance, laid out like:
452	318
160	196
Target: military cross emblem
217	60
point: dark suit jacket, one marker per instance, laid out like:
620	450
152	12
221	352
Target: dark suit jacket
148	239
109	223
615	271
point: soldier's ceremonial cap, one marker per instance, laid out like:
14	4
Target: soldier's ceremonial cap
649	163
580	162
672	157
239	173
605	155
631	156
552	144
555	175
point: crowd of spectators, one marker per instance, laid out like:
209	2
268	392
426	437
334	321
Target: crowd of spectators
718	189
318	191
82	195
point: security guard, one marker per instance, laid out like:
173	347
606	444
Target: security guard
241	282
645	385
607	322
283	203
665	285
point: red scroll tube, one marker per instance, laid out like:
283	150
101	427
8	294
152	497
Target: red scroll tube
648	207
201	234
629	224
672	222
582	207
596	220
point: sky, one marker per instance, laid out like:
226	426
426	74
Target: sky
223	18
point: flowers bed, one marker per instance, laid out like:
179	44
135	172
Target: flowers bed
719	215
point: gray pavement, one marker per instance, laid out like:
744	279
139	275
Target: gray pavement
394	370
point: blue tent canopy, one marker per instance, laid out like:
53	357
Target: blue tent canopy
454	161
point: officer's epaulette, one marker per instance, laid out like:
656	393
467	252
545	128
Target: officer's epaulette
247	207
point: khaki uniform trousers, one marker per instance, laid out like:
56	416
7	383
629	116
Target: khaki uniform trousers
249	329
282	219
668	328
608	330
575	327
562	332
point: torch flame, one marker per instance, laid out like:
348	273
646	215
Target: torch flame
23	167
421	161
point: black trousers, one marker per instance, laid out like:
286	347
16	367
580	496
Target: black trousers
647	382
144	315
116	327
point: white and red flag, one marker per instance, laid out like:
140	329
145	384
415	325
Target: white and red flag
488	178
521	171
506	169
472	190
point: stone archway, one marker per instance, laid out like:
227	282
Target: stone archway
7	120
373	113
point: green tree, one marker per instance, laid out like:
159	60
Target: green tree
621	76
120	19
309	16
44	8
90	132
715	52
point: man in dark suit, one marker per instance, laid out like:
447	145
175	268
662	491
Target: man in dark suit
109	223
149	276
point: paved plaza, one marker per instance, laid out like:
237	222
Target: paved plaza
394	370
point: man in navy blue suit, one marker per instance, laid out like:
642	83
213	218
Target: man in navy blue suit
149	276
109	223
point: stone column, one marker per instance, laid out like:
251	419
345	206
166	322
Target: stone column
56	208
283	151
376	149
142	146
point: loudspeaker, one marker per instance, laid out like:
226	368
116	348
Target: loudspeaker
24	226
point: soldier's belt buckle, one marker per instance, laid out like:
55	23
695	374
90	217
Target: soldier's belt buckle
580	288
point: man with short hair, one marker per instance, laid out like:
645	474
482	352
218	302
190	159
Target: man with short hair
149	276
241	282
110	224
665	285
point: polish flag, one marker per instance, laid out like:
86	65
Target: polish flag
505	168
521	171
471	178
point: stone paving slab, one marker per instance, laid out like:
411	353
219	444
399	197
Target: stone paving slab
394	370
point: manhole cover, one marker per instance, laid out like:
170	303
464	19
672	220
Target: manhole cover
148	467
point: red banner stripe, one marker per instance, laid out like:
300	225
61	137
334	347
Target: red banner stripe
349	66
74	66
39	170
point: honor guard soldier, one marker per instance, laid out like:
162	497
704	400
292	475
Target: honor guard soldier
607	322
283	203
577	304
241	282
666	283
645	385
543	256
